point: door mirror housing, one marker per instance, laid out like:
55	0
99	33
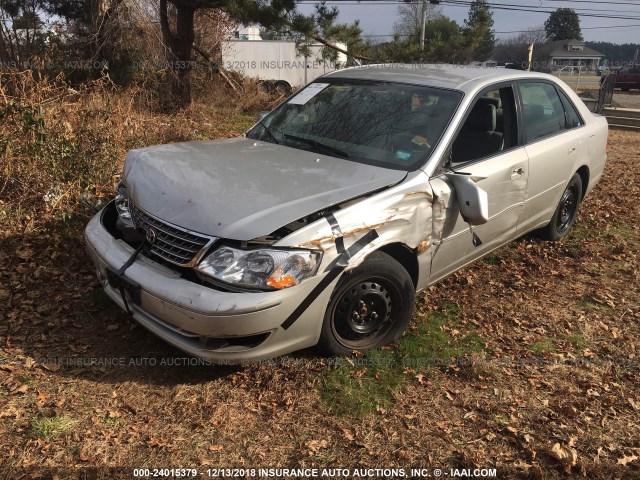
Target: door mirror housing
472	200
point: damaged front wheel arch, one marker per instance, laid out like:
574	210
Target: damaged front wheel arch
371	306
406	257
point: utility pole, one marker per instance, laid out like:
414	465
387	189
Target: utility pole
425	9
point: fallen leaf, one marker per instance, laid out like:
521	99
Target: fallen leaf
626	459
570	411
216	448
52	367
21	389
360	373
348	434
315	446
25	254
568	456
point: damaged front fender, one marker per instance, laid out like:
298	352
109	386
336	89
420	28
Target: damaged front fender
400	214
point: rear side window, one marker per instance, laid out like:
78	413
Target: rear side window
573	117
542	109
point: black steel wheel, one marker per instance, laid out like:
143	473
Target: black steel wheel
370	307
566	211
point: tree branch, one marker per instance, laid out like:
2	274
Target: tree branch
338	49
207	57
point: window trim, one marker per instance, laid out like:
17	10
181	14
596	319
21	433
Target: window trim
564	98
439	169
523	121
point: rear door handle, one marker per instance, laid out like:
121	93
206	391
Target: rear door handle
515	173
572	150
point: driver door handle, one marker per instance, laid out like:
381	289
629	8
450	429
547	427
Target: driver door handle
517	172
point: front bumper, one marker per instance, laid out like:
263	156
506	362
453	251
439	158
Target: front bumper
197	319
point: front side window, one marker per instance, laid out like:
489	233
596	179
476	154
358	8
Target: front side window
542	110
378	123
489	129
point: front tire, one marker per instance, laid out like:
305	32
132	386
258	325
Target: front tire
370	307
566	212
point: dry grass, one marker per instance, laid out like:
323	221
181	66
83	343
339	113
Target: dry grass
500	396
65	146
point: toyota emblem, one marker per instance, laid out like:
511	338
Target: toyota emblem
151	236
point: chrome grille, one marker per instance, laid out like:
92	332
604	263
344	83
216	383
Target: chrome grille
171	243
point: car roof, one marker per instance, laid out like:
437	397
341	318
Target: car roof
458	77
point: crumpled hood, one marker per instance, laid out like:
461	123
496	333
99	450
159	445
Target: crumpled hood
242	189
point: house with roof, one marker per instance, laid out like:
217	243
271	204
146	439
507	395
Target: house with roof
561	53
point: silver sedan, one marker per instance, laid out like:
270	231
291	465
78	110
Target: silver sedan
319	225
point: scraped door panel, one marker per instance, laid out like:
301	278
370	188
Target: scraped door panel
505	181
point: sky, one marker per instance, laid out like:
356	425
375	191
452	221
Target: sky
379	19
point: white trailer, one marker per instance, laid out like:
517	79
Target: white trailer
277	62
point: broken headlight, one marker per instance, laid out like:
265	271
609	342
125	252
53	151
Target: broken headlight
122	206
260	268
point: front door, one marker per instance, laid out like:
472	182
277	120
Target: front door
487	147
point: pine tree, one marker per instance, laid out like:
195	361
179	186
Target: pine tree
563	24
478	31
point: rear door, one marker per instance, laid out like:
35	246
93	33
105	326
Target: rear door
554	140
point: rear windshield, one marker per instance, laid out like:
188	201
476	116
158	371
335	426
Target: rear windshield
379	123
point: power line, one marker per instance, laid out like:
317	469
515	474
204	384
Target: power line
400	2
500	6
518	8
511	31
494	6
581	28
631	4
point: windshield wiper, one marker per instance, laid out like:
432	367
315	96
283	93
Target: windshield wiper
269	132
319	146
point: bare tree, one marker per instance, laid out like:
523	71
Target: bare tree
514	49
409	20
212	27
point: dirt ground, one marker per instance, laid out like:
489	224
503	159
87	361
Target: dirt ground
530	366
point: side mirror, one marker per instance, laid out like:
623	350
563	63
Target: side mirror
472	200
261	116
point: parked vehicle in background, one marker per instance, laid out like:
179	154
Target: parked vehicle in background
322	222
277	62
628	78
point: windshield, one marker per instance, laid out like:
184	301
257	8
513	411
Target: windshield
387	124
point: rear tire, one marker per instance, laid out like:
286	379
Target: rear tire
370	307
566	212
265	87
282	87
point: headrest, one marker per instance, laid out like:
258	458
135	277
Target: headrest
482	117
496	102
